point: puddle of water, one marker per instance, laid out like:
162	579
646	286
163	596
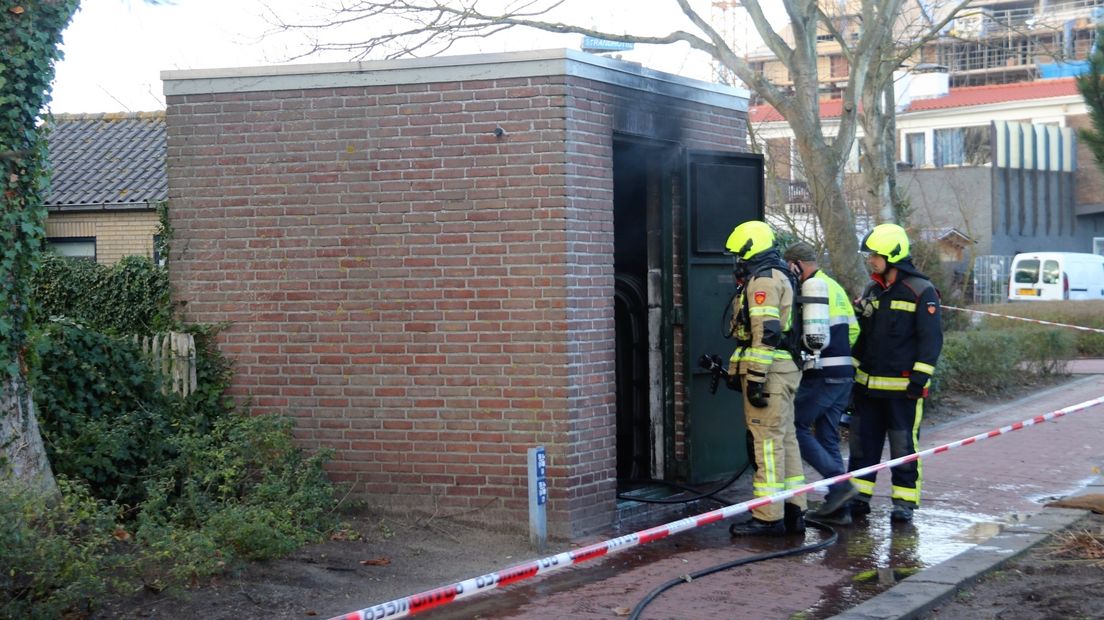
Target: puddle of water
885	552
878	553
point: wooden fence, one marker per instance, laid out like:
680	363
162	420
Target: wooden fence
175	354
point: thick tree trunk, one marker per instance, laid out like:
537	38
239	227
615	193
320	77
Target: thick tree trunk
31	32
823	165
22	454
838	223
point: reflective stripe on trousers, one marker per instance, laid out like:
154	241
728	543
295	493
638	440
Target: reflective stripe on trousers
874	420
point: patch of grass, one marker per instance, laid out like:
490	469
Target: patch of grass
1081	313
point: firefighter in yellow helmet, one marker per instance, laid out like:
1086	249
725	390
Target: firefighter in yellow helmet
899	343
764	368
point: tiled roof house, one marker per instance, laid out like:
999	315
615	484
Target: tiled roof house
108	178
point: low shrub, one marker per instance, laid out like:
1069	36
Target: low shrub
247	485
243	491
56	557
197	484
980	361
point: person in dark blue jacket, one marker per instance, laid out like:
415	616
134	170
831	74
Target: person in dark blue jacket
825	388
895	355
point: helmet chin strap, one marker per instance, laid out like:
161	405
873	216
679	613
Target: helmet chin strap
740	268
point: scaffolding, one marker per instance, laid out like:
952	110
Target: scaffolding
990	42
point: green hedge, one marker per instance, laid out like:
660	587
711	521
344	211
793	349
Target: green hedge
986	361
102	410
1080	313
129	297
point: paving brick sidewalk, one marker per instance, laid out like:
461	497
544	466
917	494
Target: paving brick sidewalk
1006	480
969	494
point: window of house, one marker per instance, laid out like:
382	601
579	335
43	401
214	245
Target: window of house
976	147
948	147
915	152
158	257
73	247
961	146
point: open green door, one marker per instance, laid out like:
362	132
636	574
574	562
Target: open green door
723	190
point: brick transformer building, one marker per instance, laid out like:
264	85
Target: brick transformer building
436	264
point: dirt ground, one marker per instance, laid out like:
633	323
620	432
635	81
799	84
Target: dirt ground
378	558
1057	580
383	557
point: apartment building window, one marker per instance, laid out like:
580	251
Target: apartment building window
73	247
915	150
961	146
839	67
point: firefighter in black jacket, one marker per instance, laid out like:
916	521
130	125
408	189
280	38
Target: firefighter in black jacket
895	356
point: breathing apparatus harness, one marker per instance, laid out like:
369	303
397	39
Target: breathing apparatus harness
743	271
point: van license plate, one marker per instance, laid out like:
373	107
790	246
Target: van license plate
1027	291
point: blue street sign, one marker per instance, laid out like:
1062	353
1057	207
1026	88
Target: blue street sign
594	44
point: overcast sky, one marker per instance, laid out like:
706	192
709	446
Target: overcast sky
116	49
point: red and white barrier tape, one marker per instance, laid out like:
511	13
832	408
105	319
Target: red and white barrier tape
1020	318
410	605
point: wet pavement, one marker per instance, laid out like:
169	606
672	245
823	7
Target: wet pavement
969	495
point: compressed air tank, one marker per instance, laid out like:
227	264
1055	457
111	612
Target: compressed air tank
814	315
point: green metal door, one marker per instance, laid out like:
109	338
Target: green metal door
723	190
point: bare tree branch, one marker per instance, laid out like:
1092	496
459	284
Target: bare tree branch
397	28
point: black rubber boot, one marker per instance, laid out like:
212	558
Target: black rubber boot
755	527
859	508
901	514
794	520
841	516
837	497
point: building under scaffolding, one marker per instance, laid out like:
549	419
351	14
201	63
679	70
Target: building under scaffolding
989	42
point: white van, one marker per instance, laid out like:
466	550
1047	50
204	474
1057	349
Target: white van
1056	275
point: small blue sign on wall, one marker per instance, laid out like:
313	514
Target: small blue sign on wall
594	44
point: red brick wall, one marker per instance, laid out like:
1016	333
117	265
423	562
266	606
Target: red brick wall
425	297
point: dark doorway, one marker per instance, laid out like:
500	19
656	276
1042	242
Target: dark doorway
642	261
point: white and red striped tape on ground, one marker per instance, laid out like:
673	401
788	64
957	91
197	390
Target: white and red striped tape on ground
410	605
1020	318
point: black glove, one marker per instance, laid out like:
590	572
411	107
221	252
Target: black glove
915	389
733	382
757	394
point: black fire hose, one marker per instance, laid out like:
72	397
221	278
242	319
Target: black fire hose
831	540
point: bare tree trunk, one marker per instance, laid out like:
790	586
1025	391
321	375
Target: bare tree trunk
825	177
22	455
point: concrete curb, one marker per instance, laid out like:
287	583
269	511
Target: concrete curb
919	594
